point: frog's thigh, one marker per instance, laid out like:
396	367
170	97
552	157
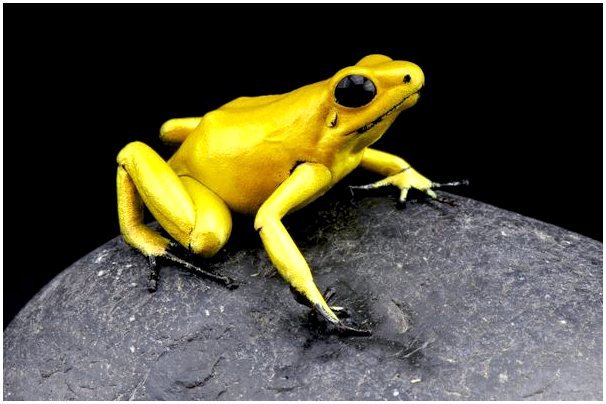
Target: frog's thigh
188	211
143	176
212	225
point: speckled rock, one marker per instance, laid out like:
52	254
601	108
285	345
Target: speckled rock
466	302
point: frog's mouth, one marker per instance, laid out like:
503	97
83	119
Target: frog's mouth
390	111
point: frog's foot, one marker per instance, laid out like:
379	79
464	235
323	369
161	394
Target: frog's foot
154	276
329	295
444	199
340	326
410	178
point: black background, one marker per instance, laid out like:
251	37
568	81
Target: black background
512	102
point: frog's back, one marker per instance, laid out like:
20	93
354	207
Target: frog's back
246	148
242	103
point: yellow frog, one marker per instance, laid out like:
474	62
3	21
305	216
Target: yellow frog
267	156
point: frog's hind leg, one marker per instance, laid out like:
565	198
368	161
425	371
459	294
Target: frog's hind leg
192	214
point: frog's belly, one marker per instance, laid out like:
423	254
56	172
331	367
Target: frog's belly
242	184
246	192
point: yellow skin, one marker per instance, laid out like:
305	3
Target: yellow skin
266	156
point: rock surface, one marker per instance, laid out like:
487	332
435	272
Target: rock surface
466	302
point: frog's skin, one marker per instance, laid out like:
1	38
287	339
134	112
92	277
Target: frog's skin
267	156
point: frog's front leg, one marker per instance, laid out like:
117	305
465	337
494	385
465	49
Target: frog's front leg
192	214
176	130
399	173
307	182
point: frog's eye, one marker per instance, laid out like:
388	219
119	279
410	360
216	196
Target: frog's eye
355	91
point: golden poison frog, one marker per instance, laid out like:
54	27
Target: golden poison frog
267	156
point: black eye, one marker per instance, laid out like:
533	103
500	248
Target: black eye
355	91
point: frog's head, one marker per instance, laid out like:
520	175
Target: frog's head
366	98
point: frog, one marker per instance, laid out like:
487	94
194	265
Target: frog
267	156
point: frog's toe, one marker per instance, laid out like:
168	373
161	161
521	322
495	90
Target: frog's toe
318	309
431	193
231	284
403	195
329	295
450	184
154	274
340	326
353	331
446	200
343	312
152	285
434	185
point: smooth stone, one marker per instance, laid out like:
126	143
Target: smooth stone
466	302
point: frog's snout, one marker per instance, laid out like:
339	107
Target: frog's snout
406	76
413	76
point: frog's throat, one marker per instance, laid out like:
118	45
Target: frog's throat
390	111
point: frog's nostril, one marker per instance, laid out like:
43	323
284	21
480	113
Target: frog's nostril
407	78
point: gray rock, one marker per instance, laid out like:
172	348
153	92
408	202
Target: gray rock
466	302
